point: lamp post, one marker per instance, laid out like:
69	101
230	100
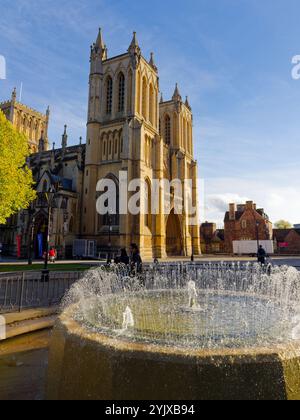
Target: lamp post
49	196
109	238
31	213
257	233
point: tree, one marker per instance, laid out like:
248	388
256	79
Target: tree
283	224
16	182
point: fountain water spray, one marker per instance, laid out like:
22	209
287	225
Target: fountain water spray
128	320
244	345
245	304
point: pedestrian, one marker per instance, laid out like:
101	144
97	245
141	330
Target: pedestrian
136	260
52	255
123	258
261	255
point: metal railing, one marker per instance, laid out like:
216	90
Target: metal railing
23	290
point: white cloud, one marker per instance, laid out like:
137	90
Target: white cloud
277	192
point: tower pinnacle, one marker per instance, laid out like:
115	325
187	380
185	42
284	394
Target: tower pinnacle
151	62
135	51
176	96
14	95
64	142
99	42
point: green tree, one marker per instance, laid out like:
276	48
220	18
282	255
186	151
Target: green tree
283	224
16	182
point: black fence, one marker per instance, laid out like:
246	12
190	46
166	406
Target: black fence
23	290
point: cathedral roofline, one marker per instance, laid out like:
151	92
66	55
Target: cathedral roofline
71	149
116	57
171	101
24	107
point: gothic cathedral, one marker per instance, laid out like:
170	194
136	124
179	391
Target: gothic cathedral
130	129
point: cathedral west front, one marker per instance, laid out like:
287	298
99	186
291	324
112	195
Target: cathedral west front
130	129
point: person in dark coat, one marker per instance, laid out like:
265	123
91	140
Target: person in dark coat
123	259
136	260
261	255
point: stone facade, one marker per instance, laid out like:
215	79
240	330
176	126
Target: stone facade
28	121
246	222
129	130
61	171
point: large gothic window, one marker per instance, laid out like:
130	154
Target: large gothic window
148	207
121	102
144	98
151	105
109	95
113	219
139	92
167	129
129	90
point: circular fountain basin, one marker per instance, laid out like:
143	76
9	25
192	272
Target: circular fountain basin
164	317
204	355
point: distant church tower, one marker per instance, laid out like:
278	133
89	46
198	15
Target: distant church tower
28	121
129	130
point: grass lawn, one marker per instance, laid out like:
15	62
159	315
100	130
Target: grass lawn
39	267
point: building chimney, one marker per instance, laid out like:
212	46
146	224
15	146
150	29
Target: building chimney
232	210
249	205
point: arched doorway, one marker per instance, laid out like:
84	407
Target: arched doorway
173	236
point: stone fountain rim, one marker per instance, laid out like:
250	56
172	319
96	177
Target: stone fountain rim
73	327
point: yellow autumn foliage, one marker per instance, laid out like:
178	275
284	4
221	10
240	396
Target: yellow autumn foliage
16	182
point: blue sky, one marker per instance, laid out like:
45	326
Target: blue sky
232	57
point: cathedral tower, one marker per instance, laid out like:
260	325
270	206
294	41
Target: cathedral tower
27	121
128	130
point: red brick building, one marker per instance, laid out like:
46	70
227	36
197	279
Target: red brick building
287	241
212	239
244	222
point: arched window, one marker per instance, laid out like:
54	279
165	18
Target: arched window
45	186
112	219
104	149
167	129
121	82
148	207
71	225
151	104
138	92
129	92
109	95
144	99
116	145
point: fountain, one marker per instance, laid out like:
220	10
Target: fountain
187	331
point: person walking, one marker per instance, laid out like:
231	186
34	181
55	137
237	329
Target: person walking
136	260
52	255
261	255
